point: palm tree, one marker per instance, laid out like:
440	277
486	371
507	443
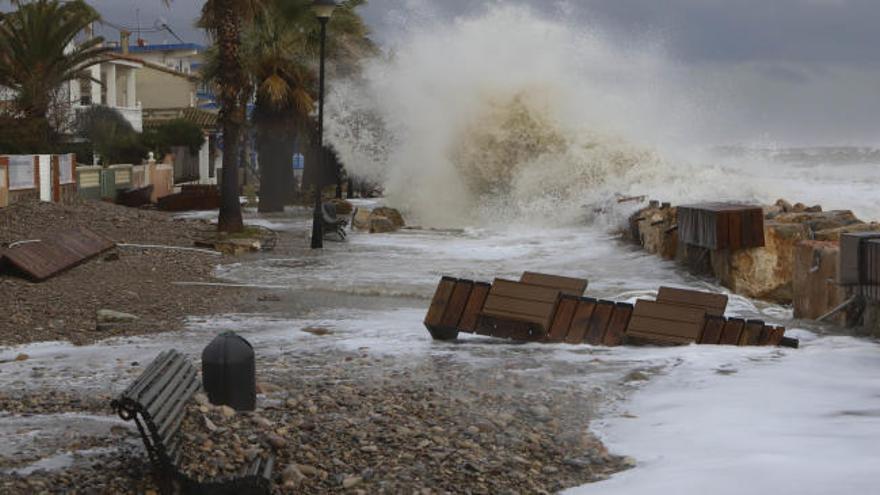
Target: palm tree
281	49
224	21
275	49
38	54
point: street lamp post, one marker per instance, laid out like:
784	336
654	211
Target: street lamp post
323	9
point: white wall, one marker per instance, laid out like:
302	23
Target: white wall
45	178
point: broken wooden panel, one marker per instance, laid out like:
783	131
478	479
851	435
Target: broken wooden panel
665	323
732	331
721	225
563	318
870	270
581	321
599	323
51	256
775	335
614	335
566	285
457	302
714	303
768	334
473	307
751	334
850	271
517	301
437	309
712	330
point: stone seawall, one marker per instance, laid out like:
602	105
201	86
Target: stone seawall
797	265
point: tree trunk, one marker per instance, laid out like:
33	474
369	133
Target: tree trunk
232	83
275	146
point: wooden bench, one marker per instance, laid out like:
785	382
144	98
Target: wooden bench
566	285
156	402
333	225
715	304
517	310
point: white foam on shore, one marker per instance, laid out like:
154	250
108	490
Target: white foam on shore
730	421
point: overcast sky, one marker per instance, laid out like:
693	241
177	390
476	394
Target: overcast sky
814	61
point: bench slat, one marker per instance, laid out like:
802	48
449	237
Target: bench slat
562	320
776	335
676	329
712	330
439	302
533	311
178	395
519	290
599	323
475	304
671	312
268	466
581	321
161	381
171	427
134	390
502	304
566	285
732	330
751	334
656	338
457	301
619	321
181	375
715	304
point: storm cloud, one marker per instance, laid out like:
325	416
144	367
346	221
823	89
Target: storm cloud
805	71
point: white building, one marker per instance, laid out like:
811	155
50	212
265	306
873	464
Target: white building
185	58
118	88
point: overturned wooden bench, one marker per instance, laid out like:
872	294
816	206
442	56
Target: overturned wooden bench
684	316
521	310
156	402
549	308
676	317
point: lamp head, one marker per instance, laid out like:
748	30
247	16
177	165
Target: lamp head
323	9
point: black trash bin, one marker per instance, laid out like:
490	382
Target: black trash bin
229	374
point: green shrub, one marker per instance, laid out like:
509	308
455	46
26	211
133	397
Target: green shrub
177	132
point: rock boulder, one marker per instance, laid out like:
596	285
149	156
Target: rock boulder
834	234
766	272
817	221
391	214
654	231
381	225
361	219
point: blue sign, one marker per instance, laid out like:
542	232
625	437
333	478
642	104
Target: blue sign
299	161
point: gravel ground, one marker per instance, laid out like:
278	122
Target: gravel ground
358	423
336	421
133	281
